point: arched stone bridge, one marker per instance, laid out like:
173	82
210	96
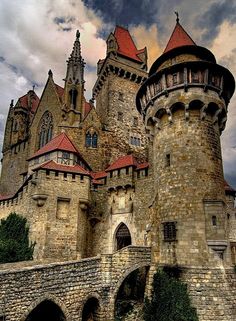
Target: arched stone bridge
69	285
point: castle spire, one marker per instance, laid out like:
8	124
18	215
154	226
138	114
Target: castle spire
179	37
75	63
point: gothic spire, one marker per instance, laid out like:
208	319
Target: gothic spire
75	63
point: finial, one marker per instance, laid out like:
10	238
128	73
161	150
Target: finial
50	73
77	34
33	87
177	16
12	103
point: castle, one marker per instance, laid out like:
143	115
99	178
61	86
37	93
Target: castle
133	183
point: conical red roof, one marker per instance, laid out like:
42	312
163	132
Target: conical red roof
179	38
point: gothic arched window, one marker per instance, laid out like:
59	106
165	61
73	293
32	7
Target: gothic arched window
45	129
73	98
91	139
123	237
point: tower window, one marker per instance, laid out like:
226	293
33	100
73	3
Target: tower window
169	231
73	98
167	160
214	220
88	140
94	140
195	76
121	96
120	116
175	79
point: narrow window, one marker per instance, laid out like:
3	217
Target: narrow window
127	170
121	96
120	116
73	98
214	221
88	140
169	231
195	76
94	140
175	79
167	160
135	121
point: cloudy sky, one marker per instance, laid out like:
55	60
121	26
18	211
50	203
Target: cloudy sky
38	35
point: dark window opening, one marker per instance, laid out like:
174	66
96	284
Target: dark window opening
94	140
47	172
123	237
127	170
169	231
120	116
111	174
118	173
167	162
214	220
91	140
195	76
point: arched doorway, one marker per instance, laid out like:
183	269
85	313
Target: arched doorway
46	311
123	237
130	296
91	310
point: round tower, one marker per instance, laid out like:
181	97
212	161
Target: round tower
184	104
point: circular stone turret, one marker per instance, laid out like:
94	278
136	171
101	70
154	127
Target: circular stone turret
184	104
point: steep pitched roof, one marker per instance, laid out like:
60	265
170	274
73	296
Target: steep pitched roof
126	46
87	108
60	142
51	165
124	161
229	189
24	101
179	38
60	90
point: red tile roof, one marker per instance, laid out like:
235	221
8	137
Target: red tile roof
87	108
60	90
179	38
99	175
51	165
143	165
5	197
60	142
126	46
24	101
124	161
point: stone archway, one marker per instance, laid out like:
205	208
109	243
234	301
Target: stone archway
130	295
47	310
122	237
91	310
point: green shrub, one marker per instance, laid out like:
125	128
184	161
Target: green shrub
14	240
169	301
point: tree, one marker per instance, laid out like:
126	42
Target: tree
169	301
14	239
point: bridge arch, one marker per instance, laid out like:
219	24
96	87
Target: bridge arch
91	308
47	306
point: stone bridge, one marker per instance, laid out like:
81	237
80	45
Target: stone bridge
68	285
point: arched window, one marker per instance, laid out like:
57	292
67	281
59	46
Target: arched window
91	139
73	98
94	140
45	129
46	310
214	220
123	237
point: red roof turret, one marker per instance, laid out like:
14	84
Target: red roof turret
179	38
126	45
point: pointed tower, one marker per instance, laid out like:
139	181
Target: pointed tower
74	82
184	102
119	77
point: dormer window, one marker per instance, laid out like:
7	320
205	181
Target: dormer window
65	159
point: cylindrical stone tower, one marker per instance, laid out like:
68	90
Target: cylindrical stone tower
184	104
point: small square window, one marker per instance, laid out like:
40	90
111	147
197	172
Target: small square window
169	231
214	220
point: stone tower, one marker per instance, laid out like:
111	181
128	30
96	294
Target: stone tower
184	102
119	77
74	84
